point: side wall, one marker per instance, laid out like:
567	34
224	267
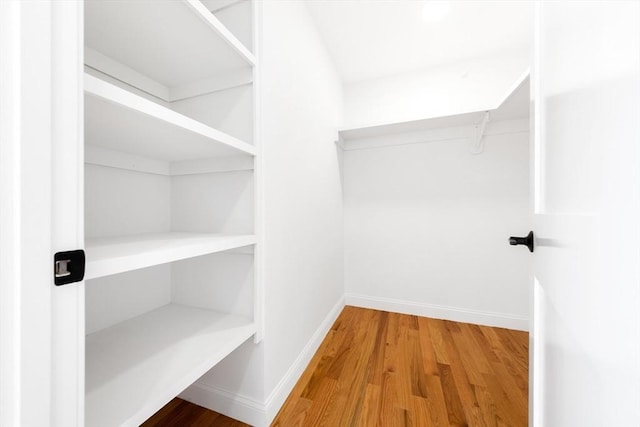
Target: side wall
301	111
426	226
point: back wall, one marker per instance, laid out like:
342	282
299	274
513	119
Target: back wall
426	225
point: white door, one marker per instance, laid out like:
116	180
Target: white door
41	211
586	303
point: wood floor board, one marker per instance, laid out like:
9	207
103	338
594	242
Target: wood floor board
436	403
507	407
376	361
298	412
371	408
429	360
438	333
381	369
420	410
453	403
484	344
324	408
467	338
388	398
487	406
318	373
352	383
514	350
461	376
417	373
404	355
391	344
342	353
472	362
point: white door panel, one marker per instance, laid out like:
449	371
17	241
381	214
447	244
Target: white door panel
586	330
41	325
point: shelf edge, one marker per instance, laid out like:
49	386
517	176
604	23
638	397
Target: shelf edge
222	31
114	265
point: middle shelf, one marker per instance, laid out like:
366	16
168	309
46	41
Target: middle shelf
112	255
120	120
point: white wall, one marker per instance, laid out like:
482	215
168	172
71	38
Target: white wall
301	101
300	106
473	85
426	225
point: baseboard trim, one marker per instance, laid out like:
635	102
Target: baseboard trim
280	393
487	318
243	408
249	410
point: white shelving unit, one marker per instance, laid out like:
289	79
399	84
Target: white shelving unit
513	105
170	189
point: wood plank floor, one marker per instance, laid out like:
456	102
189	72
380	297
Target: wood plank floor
376	368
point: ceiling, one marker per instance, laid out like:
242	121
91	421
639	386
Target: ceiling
368	39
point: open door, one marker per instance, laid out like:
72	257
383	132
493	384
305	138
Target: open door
585	336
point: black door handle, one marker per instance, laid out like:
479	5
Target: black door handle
527	241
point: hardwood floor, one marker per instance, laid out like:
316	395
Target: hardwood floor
376	368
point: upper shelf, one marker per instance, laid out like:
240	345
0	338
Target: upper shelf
456	120
120	120
514	105
174	43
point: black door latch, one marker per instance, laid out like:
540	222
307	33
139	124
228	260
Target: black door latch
68	267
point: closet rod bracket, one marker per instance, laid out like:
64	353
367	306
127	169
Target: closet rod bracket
478	143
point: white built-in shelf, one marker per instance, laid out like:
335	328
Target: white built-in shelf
513	105
456	120
137	366
117	119
112	255
173	43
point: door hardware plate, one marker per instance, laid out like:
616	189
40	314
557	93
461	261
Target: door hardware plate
68	267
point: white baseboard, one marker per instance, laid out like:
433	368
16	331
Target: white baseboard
501	320
245	409
280	393
251	411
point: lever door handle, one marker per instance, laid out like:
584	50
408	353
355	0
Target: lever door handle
526	241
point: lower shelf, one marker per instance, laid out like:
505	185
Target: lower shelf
137	366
